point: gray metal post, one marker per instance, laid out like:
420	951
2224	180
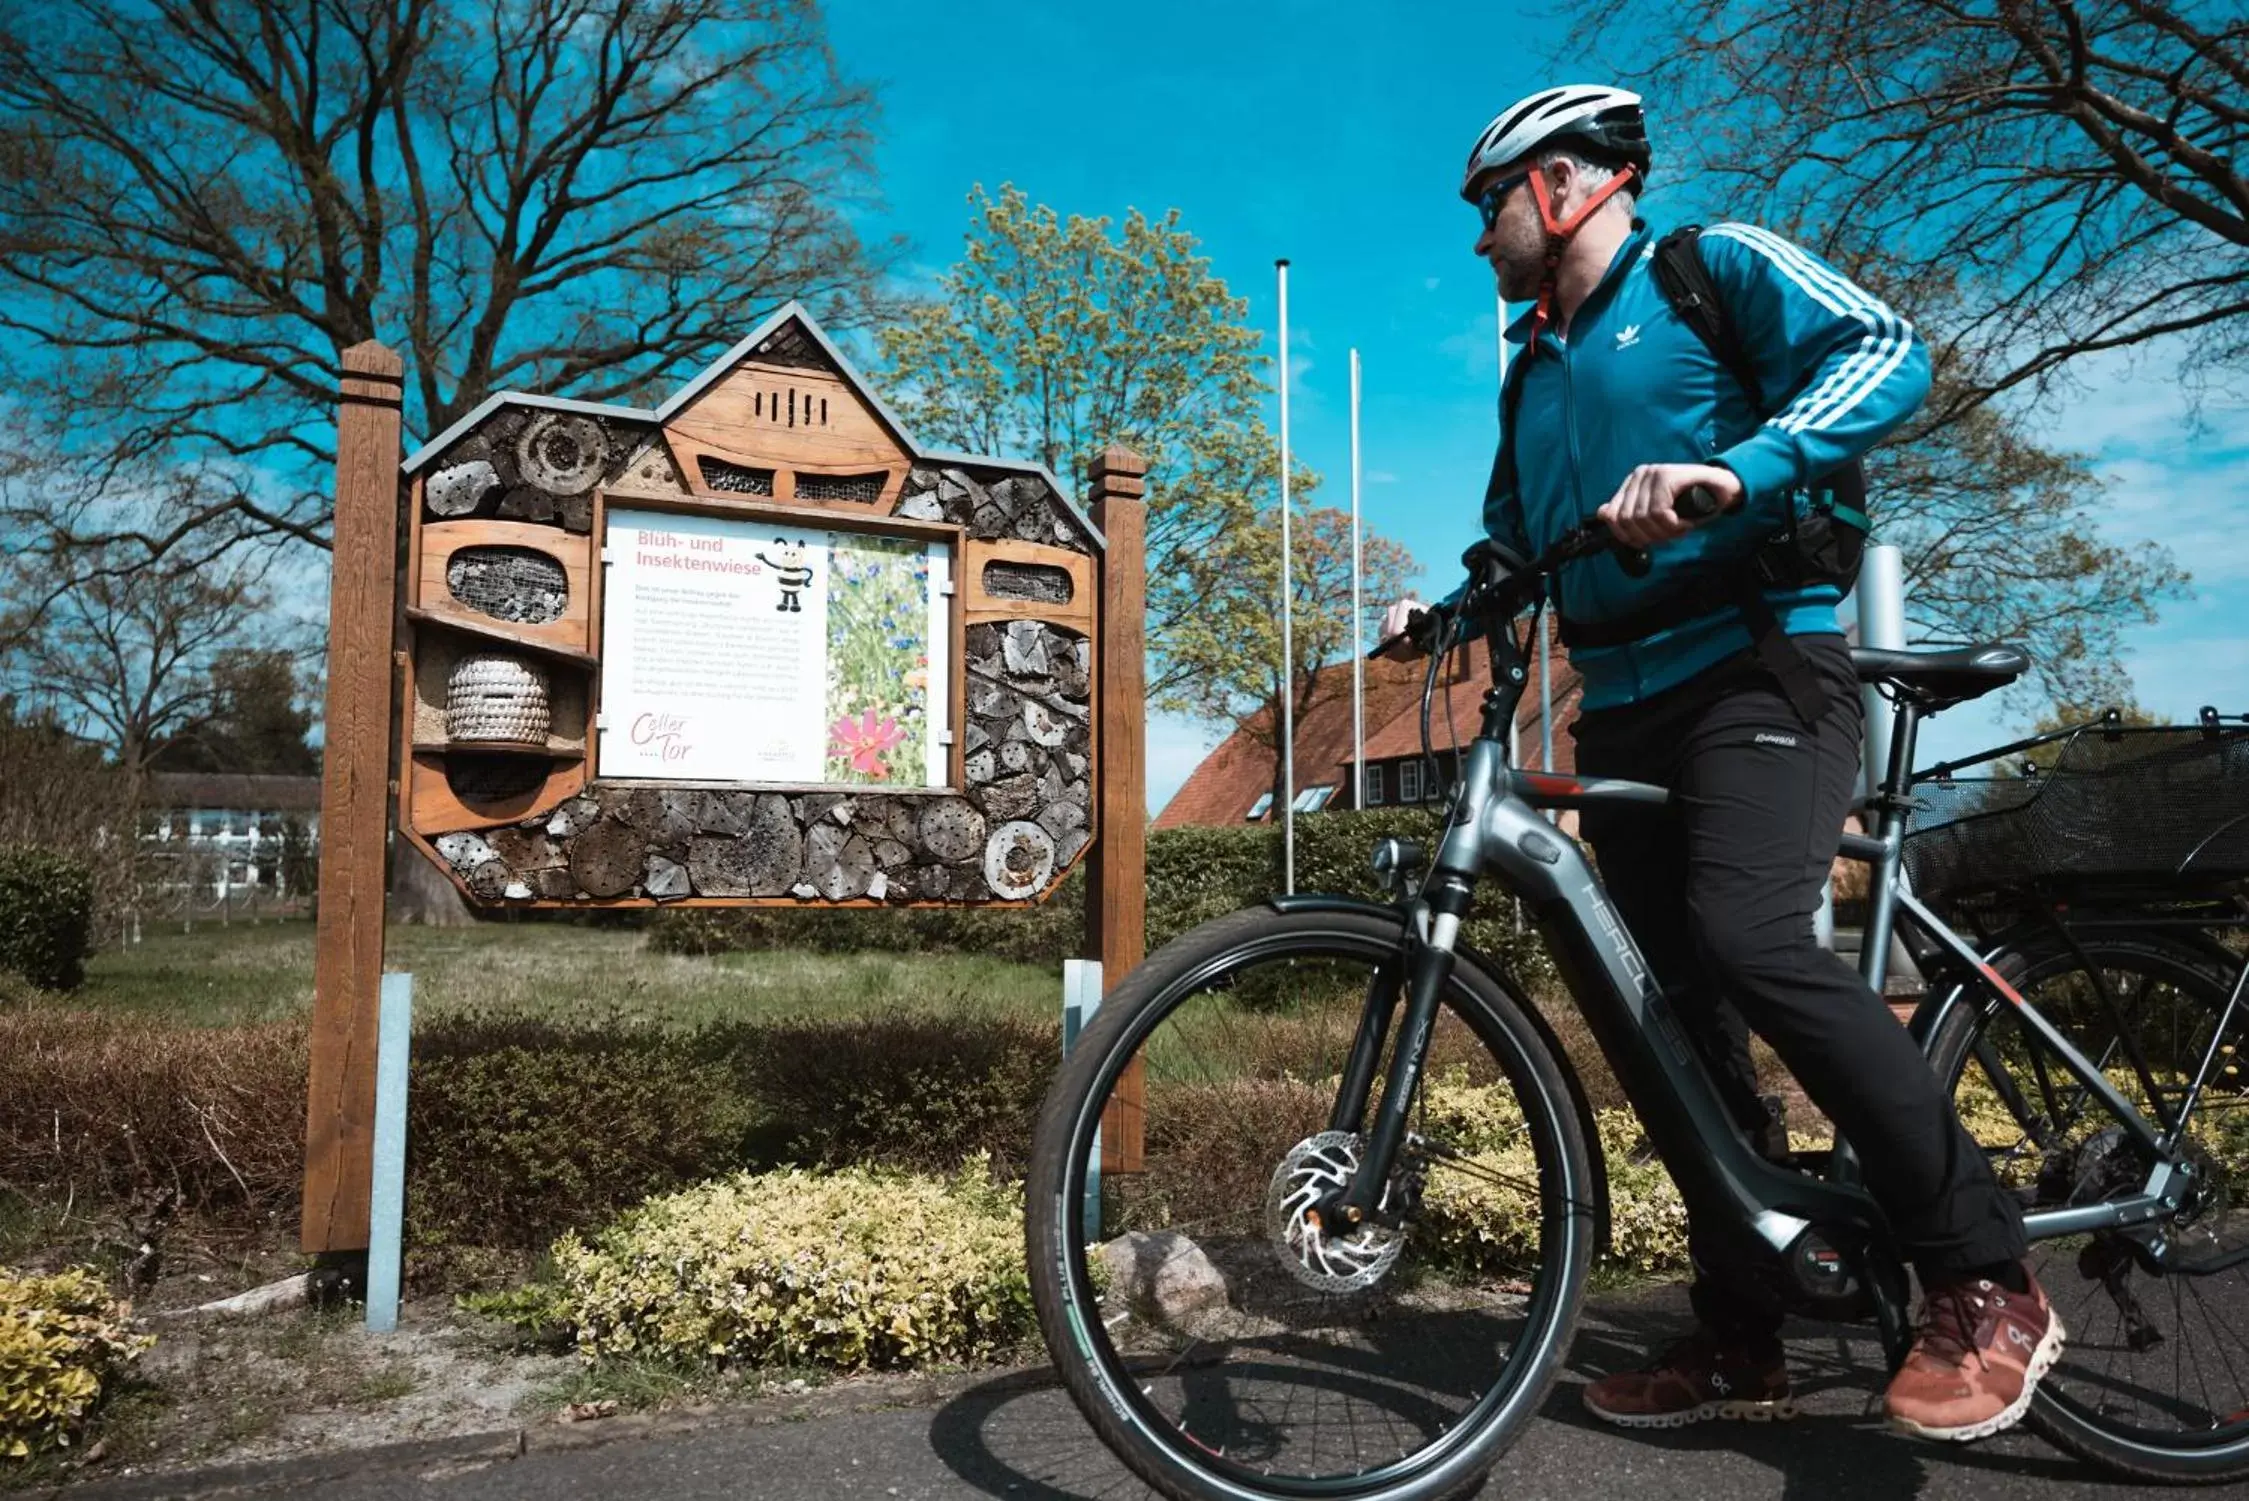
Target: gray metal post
1081	997
386	1220
1881	601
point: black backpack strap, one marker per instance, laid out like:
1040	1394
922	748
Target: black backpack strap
1686	284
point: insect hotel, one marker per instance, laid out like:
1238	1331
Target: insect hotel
753	646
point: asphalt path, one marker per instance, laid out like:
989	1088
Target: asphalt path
1015	1435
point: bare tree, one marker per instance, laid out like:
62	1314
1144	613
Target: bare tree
2076	167
202	202
124	660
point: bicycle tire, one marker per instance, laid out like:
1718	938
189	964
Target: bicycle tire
2075	1405
1118	1401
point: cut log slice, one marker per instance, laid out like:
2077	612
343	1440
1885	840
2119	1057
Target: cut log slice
609	858
952	830
1018	860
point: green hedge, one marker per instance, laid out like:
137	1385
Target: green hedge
1194	875
46	916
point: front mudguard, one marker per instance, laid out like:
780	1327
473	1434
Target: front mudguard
1314	901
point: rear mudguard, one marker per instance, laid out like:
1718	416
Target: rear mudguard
1313	901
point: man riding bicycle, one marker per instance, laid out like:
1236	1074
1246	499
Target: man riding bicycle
1722	674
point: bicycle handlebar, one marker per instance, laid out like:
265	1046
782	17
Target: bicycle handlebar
1495	588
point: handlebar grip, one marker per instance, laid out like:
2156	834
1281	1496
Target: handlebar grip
1697	503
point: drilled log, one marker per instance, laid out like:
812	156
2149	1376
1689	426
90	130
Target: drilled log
1018	860
666	880
951	829
608	858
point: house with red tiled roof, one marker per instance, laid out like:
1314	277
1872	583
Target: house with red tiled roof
1234	783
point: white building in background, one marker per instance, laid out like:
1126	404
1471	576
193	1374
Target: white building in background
221	837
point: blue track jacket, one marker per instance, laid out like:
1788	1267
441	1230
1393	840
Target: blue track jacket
1634	385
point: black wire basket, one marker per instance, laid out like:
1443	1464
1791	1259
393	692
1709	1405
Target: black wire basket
2166	807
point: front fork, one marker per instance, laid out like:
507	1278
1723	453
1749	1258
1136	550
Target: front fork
1432	925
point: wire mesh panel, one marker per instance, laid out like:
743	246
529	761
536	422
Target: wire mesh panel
2133	805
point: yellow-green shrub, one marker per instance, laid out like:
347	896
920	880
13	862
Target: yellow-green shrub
1474	1222
854	1270
60	1339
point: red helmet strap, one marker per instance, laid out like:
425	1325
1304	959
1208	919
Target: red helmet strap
1558	232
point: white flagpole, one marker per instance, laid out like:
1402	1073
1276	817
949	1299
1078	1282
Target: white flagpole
1358	612
1288	638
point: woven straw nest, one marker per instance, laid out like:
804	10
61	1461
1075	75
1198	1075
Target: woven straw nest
492	697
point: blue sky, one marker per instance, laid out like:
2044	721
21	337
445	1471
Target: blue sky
1333	134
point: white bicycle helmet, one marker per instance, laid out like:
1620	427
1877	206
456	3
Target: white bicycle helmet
1607	124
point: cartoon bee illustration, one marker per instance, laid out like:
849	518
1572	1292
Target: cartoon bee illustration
790	571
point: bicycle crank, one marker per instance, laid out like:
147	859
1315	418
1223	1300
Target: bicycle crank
1317	1168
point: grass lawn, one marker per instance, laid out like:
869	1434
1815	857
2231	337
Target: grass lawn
225	976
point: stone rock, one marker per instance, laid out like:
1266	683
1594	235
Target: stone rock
1011	797
878	886
516	891
1018	860
667	879
464	851
804	891
1075	763
951	829
1164	1275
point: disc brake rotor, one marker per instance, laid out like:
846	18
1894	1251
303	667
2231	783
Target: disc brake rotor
1314	1168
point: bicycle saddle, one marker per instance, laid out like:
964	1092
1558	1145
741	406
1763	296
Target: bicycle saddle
1939	678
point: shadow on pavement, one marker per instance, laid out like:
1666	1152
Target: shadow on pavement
1018	1436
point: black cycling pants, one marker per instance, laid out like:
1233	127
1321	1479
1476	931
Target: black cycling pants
1721	889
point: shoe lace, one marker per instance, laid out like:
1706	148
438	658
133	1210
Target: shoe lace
1948	1322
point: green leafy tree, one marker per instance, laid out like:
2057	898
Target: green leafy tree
1054	338
1231	649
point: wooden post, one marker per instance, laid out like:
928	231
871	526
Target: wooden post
354	805
1117	877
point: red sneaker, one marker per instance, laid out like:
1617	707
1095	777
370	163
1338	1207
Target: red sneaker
1699	1377
1976	1362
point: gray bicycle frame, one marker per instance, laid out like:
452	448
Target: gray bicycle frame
1495	829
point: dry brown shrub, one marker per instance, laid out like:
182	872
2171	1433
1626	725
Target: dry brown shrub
100	1108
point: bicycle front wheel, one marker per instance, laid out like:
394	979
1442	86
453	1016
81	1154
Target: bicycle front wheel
2154	1382
1219	1346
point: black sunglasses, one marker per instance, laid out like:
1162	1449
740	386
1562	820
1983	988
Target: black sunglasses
1488	203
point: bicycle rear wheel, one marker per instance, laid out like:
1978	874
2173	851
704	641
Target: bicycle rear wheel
2155	1380
1217	1348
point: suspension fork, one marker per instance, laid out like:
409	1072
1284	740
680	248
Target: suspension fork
1428	965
